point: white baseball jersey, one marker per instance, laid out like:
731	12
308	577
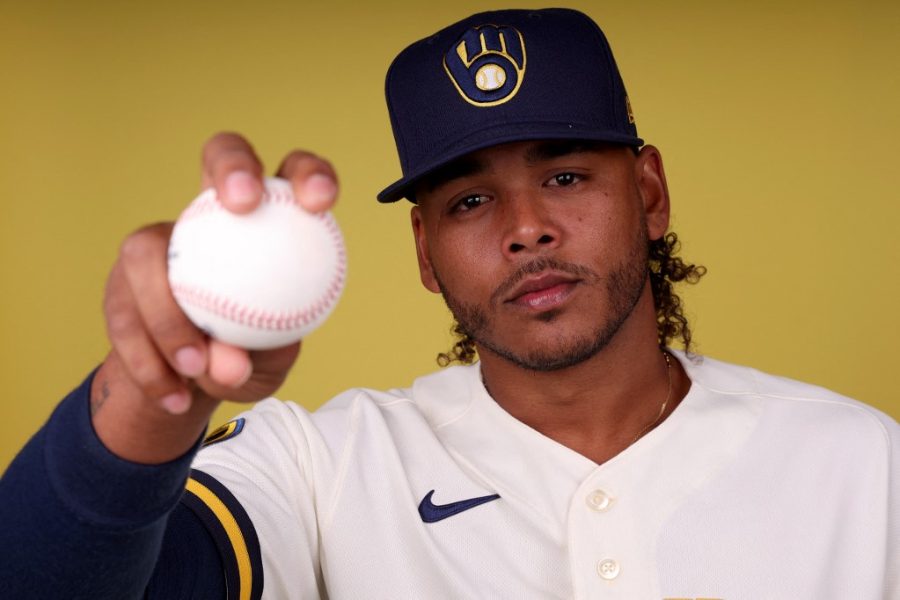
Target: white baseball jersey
756	487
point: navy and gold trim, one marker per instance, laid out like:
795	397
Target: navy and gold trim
225	432
234	534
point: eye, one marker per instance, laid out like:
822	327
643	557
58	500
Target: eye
564	179
469	202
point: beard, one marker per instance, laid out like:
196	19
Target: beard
624	285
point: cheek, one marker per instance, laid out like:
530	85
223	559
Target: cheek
465	265
605	229
594	220
457	262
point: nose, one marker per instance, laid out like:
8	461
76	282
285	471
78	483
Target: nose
529	227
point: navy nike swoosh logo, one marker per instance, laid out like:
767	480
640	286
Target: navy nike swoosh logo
432	513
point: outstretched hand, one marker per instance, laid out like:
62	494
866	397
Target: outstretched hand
161	365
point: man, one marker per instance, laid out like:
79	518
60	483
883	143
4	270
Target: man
579	458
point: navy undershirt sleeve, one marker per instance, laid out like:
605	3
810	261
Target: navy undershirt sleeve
190	565
78	522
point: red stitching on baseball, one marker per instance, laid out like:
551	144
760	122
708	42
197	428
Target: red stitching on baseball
252	316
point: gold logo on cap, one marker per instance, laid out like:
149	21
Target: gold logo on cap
487	64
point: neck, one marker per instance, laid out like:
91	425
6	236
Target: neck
602	405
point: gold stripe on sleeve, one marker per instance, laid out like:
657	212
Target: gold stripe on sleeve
232	530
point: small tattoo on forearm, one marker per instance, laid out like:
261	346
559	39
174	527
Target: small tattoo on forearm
100	398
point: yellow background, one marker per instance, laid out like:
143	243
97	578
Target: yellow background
778	124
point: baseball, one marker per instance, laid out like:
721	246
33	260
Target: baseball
260	280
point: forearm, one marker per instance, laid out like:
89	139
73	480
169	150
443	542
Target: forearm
77	521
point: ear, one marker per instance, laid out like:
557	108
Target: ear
426	271
651	181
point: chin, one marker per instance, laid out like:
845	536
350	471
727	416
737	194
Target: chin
544	356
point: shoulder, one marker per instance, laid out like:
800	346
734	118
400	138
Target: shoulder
792	404
434	398
427	403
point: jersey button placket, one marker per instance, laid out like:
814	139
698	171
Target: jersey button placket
602	501
599	500
608	569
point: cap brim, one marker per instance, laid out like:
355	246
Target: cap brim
403	187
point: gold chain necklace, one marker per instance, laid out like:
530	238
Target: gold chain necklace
662	409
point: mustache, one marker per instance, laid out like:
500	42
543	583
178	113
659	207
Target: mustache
536	266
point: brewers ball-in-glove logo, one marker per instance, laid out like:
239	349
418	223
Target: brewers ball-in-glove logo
487	64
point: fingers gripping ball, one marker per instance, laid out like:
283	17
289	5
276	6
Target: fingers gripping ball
261	280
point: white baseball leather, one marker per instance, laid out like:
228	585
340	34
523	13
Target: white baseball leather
261	280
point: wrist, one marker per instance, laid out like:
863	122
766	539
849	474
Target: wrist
138	429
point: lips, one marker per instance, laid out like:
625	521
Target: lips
543	291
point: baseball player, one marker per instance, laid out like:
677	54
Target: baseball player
579	457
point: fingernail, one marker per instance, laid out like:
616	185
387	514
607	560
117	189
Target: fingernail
189	362
241	187
318	192
176	403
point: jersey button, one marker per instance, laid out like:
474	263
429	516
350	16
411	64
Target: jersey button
599	500
608	569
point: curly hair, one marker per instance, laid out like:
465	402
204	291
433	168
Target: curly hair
665	269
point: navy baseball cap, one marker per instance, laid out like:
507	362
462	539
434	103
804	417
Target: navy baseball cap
498	77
